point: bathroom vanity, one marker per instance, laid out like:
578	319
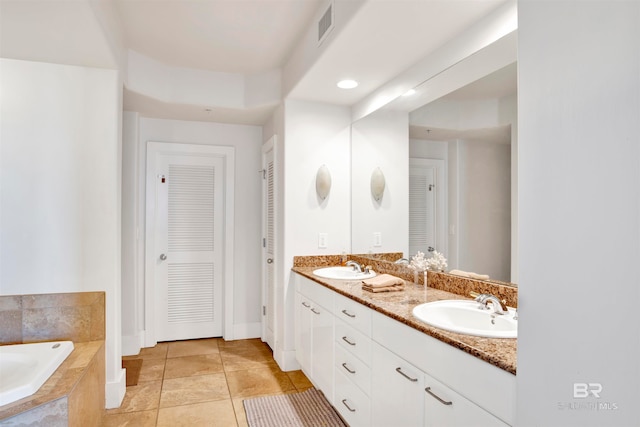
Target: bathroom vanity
380	366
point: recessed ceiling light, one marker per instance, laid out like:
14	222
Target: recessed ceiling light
409	92
347	84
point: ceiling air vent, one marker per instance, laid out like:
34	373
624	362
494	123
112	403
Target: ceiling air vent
325	24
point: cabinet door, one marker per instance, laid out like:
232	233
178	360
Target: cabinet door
444	407
322	349
396	390
303	332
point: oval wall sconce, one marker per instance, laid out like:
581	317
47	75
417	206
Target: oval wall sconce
377	184
323	182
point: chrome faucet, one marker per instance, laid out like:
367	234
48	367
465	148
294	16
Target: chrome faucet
498	306
402	261
356	266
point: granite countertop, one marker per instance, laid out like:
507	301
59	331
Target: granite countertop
500	352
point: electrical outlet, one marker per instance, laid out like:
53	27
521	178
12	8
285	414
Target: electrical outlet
377	239
322	240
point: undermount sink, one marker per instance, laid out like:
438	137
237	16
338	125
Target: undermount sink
342	273
465	317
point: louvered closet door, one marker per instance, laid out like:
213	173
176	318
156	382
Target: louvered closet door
190	234
422	212
269	247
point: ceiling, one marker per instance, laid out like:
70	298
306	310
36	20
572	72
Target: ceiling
499	84
373	43
233	36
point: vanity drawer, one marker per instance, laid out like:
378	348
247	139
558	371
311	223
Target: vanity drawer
352	404
353	368
355	342
353	313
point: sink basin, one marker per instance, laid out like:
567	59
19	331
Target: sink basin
464	317
342	273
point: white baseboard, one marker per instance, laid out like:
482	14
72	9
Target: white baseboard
131	344
243	331
286	360
114	391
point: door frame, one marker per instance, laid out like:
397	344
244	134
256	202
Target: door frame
228	155
270	145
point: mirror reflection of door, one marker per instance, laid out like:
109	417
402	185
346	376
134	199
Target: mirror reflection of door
427	217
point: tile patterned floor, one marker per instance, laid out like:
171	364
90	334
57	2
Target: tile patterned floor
201	383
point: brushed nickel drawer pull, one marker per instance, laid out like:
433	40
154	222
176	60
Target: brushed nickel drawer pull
305	304
344	402
344	365
348	314
399	370
314	311
444	402
347	341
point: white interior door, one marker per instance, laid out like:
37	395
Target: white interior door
188	245
268	243
427	218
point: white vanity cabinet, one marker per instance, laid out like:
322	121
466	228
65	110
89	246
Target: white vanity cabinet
314	334
445	407
396	390
377	371
353	373
481	394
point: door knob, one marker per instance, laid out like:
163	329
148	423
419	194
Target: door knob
163	257
269	260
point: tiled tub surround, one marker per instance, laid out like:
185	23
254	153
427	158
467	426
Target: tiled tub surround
399	306
74	394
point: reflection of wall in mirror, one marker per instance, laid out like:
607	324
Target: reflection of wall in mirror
479	180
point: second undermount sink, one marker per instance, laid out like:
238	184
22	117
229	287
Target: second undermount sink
465	317
342	273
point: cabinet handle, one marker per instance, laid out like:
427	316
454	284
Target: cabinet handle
344	365
344	402
314	311
399	370
348	314
347	341
444	402
305	304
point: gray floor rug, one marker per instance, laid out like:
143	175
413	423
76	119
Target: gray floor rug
306	409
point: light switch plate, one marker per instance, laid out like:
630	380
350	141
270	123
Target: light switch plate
377	239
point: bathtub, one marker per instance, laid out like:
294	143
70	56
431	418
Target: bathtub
25	367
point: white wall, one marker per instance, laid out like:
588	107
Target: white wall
380	140
484	208
315	134
60	189
247	142
579	177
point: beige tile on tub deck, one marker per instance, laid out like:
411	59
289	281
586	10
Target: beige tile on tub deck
193	347
131	419
218	413
56	323
189	366
190	390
